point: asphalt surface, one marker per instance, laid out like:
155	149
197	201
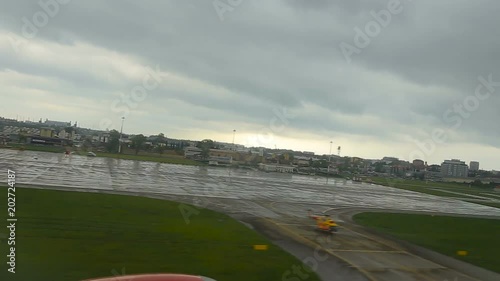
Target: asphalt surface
273	203
380	257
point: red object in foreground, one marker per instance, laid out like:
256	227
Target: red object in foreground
155	277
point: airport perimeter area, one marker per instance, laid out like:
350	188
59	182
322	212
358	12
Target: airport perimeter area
275	205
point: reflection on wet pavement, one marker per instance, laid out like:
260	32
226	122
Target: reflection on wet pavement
52	169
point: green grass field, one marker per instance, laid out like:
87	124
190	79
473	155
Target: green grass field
166	158
161	159
43	148
63	236
387	181
443	234
441	189
489	204
429	184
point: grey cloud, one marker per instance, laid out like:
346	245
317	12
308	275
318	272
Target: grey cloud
286	53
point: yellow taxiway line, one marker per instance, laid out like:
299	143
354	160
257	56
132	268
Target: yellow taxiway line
309	242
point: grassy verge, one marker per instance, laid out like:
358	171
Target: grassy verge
489	204
170	159
161	159
74	236
430	187
443	234
381	180
42	148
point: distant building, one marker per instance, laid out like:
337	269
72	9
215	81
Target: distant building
25	131
259	152
56	123
192	152
7	119
47	132
474	166
434	168
3	139
276	168
39	140
178	144
418	162
214	160
229	146
400	167
454	169
62	134
389	160
224	153
356	159
418	165
104	137
301	161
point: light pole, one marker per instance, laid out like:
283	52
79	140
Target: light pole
234	134
330	157
232	154
277	157
121	134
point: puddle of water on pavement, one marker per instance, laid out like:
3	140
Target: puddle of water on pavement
88	172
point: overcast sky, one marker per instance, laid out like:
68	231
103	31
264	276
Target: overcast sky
378	78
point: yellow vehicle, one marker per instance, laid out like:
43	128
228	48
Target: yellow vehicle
324	223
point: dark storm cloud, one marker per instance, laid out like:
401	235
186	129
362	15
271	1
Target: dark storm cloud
286	53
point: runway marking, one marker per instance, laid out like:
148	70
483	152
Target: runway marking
372	251
373	239
415	271
364	270
308	241
397	267
413	255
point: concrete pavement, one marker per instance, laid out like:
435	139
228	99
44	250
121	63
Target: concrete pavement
280	199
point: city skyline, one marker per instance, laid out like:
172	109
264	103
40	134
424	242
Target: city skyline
467	161
373	78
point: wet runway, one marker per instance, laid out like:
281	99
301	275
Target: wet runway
282	199
245	186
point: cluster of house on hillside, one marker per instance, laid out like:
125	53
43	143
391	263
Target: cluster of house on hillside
269	160
307	163
38	135
453	170
56	133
